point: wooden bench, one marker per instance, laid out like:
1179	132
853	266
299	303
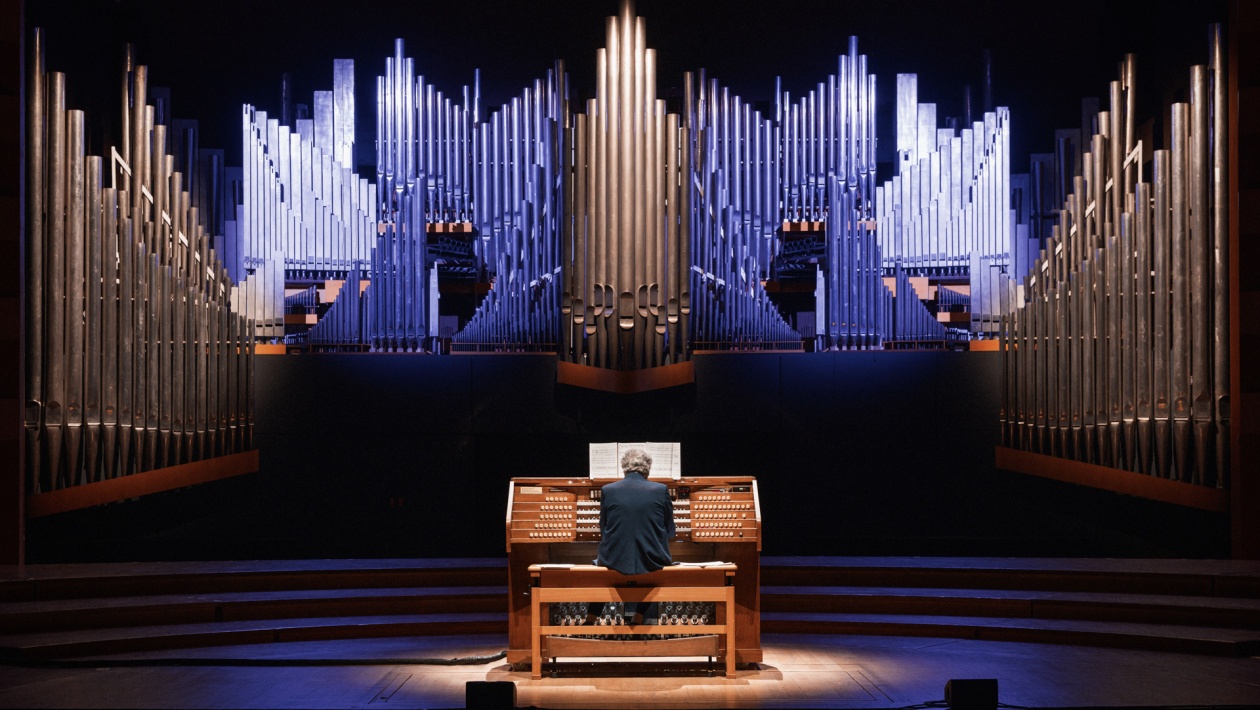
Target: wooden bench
589	583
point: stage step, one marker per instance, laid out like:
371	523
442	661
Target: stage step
1206	578
1154	637
160	578
1192	606
1032	604
93	642
63	614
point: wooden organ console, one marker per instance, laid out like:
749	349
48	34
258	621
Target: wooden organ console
555	521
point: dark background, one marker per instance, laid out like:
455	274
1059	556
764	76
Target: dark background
877	453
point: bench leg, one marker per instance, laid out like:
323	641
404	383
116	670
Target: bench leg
730	632
535	639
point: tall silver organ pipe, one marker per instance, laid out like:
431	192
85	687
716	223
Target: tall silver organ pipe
1147	345
122	279
1220	248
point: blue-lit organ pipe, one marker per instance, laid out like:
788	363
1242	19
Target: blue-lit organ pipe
954	196
1115	355
127	370
823	170
518	220
828	131
398	291
731	230
947	297
855	292
341	327
304	214
304	301
424	145
425	165
912	322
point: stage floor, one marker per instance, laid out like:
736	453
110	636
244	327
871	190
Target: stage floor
800	671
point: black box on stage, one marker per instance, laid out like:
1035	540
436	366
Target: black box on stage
972	694
489	695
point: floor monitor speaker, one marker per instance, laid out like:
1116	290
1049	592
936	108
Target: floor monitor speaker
972	694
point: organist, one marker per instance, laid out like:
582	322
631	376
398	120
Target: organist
636	522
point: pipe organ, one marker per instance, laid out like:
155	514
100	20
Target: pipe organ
341	328
824	171
555	521
829	131
1118	353
493	185
136	356
614	233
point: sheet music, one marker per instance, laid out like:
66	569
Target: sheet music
605	459
664	455
605	462
623	447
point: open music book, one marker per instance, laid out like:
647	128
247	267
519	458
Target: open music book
666	458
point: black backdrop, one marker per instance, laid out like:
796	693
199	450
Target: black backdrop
409	456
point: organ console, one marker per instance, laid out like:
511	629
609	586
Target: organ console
556	521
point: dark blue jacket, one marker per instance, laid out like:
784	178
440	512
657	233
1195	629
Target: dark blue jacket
636	521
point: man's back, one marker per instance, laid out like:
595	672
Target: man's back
636	519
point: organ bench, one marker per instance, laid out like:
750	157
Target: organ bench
590	583
555	521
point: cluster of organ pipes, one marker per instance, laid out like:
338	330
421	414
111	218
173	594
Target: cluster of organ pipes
424	142
304	215
626	296
624	237
947	212
1119	353
857	312
730	252
135	358
342	325
442	168
829	131
909	322
518	217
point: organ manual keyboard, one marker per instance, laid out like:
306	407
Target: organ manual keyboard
556	521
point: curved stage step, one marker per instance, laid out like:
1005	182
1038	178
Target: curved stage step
64	611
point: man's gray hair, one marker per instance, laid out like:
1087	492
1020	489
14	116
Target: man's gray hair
636	460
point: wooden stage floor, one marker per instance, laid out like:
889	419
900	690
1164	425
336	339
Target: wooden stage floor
837	633
800	671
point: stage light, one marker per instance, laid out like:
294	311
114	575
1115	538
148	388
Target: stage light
972	694
498	695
